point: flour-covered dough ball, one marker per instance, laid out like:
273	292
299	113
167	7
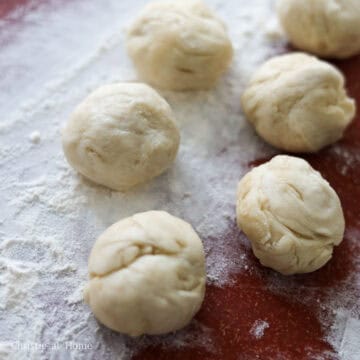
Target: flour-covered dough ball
147	274
291	215
298	103
328	28
121	135
179	45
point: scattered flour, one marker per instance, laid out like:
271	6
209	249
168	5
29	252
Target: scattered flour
350	349
273	30
35	137
50	216
258	329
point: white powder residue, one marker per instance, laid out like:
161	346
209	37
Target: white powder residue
349	159
274	31
35	137
350	349
258	329
50	216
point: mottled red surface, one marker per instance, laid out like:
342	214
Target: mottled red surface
295	331
8	6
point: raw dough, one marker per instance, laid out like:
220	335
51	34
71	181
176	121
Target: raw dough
291	215
121	135
147	274
179	45
329	28
298	103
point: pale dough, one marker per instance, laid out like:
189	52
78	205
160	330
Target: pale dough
298	103
291	215
328	28
179	45
121	135
147	274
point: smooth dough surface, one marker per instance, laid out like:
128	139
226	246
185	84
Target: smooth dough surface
291	215
298	103
179	45
121	135
328	28
147	274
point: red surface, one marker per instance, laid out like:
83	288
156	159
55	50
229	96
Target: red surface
230	312
7	6
22	6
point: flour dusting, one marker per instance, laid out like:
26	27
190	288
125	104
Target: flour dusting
258	329
35	137
50	216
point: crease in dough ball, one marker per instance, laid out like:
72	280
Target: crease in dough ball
147	274
291	215
179	45
327	28
121	135
298	103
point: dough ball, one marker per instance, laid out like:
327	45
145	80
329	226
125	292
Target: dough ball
121	135
328	28
147	274
179	45
291	215
298	103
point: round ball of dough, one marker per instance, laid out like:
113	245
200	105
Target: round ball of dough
298	103
291	215
121	135
179	45
147	274
326	28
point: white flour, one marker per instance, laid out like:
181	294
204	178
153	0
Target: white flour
258	329
35	137
50	217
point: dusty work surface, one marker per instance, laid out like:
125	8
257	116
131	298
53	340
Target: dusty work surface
53	53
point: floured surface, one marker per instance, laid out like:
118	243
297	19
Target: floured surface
52	55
